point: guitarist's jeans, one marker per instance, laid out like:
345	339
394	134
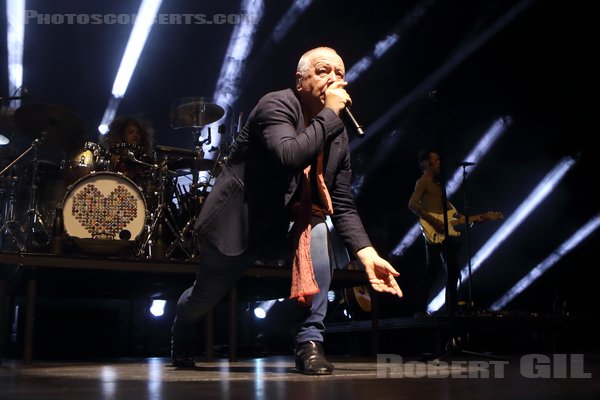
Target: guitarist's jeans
436	270
218	273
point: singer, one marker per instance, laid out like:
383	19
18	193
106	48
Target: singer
290	163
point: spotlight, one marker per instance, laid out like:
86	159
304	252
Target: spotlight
103	128
262	308
260	313
158	308
331	296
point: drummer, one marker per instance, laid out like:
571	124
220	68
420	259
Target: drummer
129	136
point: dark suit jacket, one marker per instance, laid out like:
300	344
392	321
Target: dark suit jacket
251	197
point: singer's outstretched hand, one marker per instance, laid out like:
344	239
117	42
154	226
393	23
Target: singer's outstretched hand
380	272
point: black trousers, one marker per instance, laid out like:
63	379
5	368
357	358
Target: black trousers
440	272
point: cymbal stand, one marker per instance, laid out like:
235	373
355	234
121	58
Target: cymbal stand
34	219
11	227
33	146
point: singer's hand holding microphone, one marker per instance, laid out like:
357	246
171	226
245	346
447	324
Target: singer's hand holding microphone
339	101
336	96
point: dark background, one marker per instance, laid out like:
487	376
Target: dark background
538	71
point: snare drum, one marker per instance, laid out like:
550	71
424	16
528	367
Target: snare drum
86	161
104	206
123	156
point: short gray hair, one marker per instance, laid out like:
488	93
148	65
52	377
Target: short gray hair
306	58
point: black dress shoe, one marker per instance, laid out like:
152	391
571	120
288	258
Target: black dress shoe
310	359
181	356
179	361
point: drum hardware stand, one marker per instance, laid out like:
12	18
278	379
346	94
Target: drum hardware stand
198	156
188	229
180	241
196	186
34	219
152	244
11	226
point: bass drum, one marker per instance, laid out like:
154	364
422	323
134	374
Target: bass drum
104	212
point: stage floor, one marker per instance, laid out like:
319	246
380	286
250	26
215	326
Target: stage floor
460	376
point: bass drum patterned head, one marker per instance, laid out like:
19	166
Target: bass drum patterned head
104	211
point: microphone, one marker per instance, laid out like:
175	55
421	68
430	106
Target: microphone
130	156
465	164
352	121
24	95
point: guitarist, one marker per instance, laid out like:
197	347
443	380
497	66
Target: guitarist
426	199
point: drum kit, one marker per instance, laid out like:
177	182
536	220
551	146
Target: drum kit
87	204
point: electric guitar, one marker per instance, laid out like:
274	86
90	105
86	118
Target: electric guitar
454	219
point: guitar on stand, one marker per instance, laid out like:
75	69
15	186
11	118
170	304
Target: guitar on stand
454	219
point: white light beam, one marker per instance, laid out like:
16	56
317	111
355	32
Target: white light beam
545	265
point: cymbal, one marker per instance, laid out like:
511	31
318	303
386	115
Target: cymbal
195	113
7	124
185	162
59	126
174	151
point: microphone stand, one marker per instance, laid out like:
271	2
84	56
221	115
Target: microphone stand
433	98
455	339
466	213
454	343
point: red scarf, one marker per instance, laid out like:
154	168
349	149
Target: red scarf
304	285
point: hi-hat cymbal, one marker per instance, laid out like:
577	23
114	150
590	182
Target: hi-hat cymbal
195	113
58	126
176	151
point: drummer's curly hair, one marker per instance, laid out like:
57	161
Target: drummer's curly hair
117	127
